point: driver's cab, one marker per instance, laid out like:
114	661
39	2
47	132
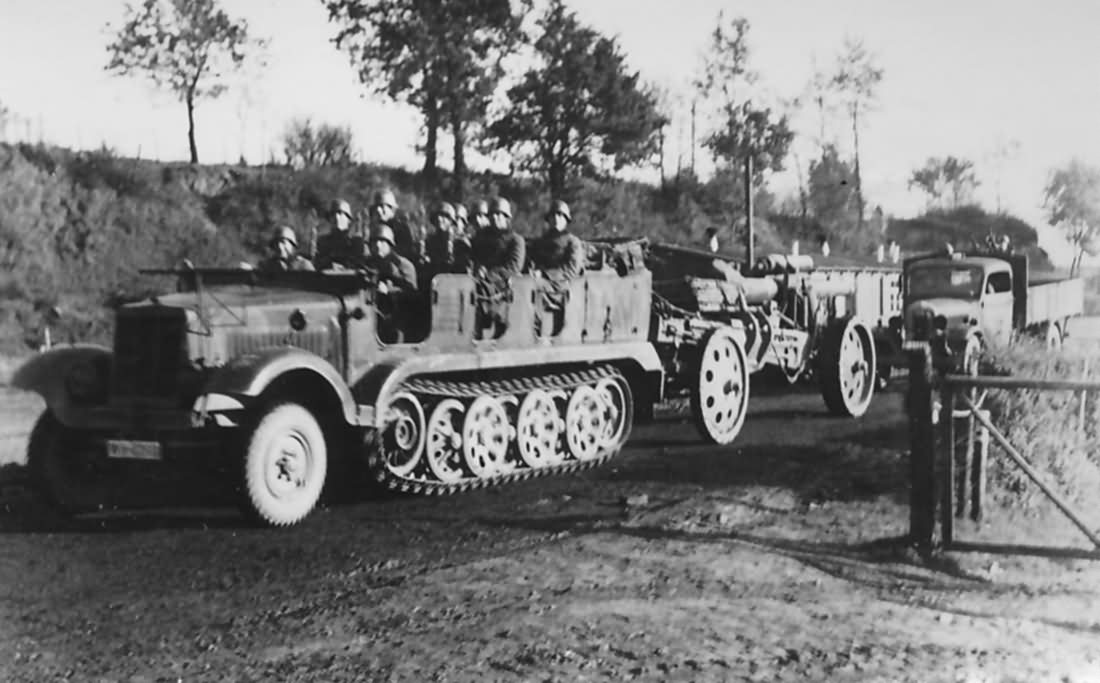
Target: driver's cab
997	300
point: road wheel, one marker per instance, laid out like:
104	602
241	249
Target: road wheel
285	463
70	467
846	367
720	388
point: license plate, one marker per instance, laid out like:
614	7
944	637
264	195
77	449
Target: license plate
134	450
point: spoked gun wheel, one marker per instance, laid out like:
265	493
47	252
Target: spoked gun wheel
720	388
846	366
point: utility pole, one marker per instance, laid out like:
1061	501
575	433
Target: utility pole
693	138
750	242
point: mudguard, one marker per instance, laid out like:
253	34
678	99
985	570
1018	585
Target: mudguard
45	373
247	376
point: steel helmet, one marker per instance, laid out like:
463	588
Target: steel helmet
384	233
341	206
501	205
558	206
447	209
385	198
480	207
284	232
461	214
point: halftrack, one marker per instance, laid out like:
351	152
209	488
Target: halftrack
286	379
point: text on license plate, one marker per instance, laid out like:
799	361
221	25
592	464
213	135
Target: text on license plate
134	450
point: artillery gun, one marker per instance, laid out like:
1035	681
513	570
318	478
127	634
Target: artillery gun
801	321
284	379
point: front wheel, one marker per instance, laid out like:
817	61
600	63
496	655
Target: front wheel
285	464
70	467
847	367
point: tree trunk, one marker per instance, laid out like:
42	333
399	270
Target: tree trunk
191	128
859	177
557	178
431	127
458	131
661	143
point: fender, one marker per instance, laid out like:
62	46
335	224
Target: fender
45	374
247	376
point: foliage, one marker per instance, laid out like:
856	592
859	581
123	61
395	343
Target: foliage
1068	457
942	176
1072	199
831	192
184	46
581	105
444	58
745	129
305	144
965	228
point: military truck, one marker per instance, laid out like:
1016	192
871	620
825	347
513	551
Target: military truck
965	302
286	379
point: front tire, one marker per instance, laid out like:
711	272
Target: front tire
285	465
69	467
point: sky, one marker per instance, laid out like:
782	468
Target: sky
961	77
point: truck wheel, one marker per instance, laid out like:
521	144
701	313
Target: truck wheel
970	362
284	467
720	388
1053	337
846	367
69	467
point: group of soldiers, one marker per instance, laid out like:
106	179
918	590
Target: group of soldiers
479	241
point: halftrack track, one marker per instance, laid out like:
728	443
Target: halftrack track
444	436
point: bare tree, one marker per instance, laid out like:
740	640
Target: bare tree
187	47
856	81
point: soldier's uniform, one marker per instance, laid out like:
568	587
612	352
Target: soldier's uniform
399	275
406	241
497	254
559	255
445	249
338	248
284	260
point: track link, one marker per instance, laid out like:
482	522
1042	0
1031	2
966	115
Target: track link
430	390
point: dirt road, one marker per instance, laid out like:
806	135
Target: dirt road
775	559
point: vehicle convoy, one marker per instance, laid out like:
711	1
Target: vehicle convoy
804	321
969	301
287	378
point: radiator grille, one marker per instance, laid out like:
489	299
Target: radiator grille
150	352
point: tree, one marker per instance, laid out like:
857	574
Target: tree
856	82
1072	200
185	46
325	145
443	57
579	107
832	191
744	129
939	176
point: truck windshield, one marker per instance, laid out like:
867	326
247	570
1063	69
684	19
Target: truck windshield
948	281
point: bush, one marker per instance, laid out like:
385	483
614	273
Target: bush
306	145
1045	427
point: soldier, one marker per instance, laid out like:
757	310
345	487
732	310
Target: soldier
445	248
283	254
558	254
462	222
497	254
395	278
338	248
384	212
479	216
711	238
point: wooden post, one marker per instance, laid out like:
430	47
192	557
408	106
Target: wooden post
922	477
977	474
1084	398
750	237
947	424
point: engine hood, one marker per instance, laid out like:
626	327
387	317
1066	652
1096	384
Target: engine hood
232	305
949	308
920	315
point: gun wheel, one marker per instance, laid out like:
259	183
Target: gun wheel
720	393
847	367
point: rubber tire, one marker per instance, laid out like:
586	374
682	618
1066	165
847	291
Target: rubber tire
258	502
707	431
829	368
1052	337
50	452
